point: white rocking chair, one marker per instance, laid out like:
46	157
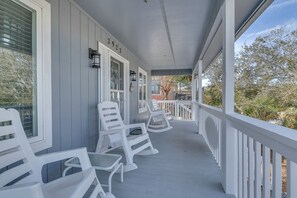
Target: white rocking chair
156	108
158	121
116	134
22	169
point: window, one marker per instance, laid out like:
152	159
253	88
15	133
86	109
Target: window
266	66
142	86
212	83
156	85
25	65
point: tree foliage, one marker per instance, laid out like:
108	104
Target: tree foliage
16	78
265	79
170	83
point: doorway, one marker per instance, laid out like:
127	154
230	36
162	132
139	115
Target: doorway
114	80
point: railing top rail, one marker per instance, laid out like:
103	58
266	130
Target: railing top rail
278	133
180	101
281	139
212	110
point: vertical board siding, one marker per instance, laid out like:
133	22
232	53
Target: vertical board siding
76	135
65	79
93	96
75	83
84	78
54	169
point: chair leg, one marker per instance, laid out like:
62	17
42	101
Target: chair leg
130	165
149	121
99	144
166	120
150	151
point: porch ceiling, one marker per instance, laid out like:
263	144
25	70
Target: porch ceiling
164	34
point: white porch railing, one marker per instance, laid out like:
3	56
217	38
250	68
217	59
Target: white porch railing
266	154
180	109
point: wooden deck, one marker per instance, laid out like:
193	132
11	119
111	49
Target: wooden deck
184	168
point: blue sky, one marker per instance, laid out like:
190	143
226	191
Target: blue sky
281	13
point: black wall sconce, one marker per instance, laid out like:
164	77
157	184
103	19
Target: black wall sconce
95	56
133	75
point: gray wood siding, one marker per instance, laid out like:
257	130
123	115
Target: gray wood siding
75	84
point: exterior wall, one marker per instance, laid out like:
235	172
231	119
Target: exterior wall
74	83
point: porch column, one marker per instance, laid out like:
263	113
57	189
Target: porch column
229	140
194	109
200	99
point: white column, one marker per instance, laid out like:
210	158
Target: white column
229	140
200	95
194	109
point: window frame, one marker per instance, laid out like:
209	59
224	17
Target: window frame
144	73
43	67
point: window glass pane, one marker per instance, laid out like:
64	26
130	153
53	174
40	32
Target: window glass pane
16	25
212	83
140	86
144	92
116	75
144	79
156	85
266	66
18	73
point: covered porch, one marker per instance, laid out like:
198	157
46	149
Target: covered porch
87	52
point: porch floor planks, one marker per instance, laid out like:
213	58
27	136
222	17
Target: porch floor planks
184	168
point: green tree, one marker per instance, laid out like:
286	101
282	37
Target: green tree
265	79
16	78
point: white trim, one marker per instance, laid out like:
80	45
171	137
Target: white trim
200	95
43	63
140	70
104	86
229	137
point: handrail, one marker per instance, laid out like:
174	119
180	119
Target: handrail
282	139
179	108
212	110
276	137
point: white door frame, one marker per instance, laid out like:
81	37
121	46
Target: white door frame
104	86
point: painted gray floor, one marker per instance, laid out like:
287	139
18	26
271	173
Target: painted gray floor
184	168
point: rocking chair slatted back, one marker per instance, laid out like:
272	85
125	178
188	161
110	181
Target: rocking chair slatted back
109	139
110	115
16	164
155	104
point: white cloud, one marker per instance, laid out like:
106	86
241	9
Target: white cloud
283	3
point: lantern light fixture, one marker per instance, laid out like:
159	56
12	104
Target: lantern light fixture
133	75
95	56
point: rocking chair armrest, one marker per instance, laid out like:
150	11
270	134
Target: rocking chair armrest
131	126
110	132
80	153
137	125
32	189
158	112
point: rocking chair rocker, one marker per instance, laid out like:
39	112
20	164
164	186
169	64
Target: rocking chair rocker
158	121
